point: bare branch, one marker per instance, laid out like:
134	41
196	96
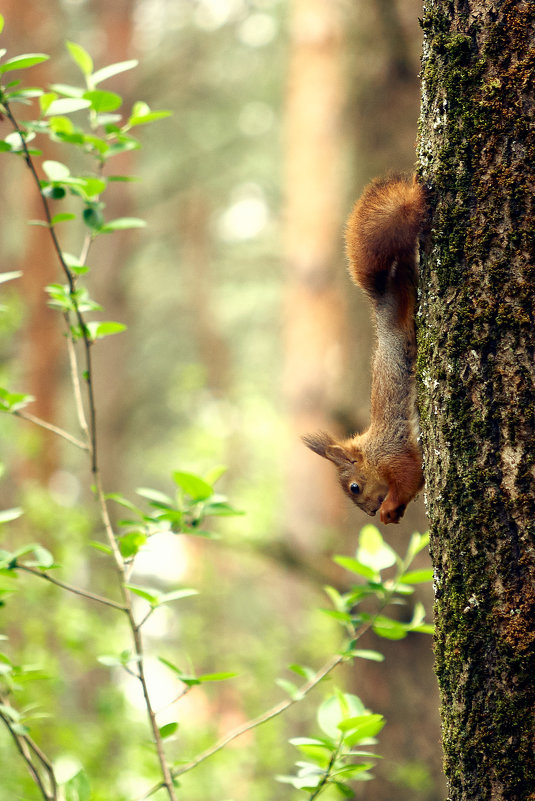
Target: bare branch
70	588
50	427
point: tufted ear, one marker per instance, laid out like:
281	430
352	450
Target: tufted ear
325	445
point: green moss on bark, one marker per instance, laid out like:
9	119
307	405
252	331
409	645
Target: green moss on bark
477	397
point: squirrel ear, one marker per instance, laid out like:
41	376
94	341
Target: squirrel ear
324	445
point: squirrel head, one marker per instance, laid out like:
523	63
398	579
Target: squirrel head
358	479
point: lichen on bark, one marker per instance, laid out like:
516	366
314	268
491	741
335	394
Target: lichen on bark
477	384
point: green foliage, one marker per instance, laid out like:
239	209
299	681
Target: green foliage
333	759
336	759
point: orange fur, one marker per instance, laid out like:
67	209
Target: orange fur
381	469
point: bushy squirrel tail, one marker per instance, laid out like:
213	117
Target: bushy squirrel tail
381	237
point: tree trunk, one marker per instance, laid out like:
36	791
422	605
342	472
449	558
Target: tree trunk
477	396
315	328
42	337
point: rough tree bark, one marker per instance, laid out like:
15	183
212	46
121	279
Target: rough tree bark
477	395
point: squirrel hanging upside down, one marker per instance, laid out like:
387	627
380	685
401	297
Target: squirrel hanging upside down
382	467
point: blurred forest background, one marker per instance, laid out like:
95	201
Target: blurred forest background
244	333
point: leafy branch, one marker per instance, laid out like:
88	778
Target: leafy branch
332	758
373	555
71	301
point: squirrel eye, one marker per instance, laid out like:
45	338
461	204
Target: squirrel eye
354	488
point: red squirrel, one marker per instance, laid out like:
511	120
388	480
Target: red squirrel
381	469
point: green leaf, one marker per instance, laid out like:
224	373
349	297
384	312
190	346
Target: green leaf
144	119
23	62
418	576
57	218
110	661
303	671
43	557
81	57
92	186
97	330
363	726
102	101
54	192
215	474
318	752
373	551
215	676
354	566
150	597
67	90
417	543
16	140
122	223
93	218
74	263
78	787
122	501
7	515
336	708
177	595
168	730
290	688
424	628
66	105
221	509
389	629
13	401
10	276
155	496
170	665
194	486
363	653
113	69
131	543
55	170
99	546
348	772
140	108
325	743
45	101
1	23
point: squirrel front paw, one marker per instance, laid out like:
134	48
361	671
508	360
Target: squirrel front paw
391	511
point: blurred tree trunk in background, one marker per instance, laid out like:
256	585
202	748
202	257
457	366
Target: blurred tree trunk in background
211	346
114	23
477	154
315	311
32	31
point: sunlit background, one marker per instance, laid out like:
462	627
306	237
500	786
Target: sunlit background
244	333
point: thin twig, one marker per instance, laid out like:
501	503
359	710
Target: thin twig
75	380
50	427
46	764
281	707
325	777
91	433
70	279
276	710
21	742
145	618
136	636
70	588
